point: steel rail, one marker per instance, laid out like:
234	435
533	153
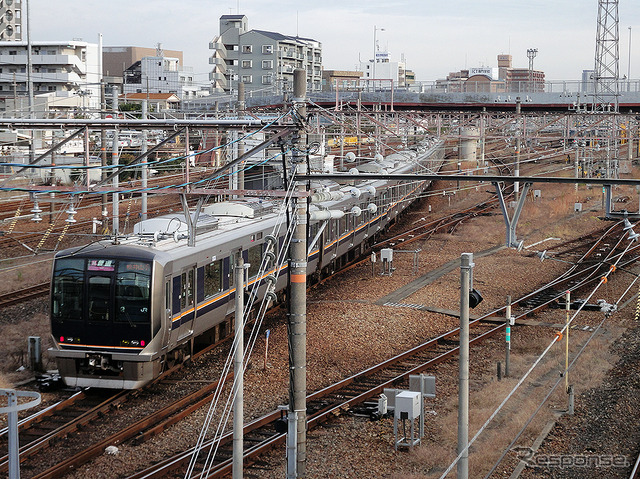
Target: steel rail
315	418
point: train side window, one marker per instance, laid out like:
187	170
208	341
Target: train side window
99	298
212	278
192	282
186	294
254	260
183	291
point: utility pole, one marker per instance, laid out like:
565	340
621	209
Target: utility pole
466	266
145	169
115	162
32	146
103	148
238	371
298	283
516	185
241	107
507	360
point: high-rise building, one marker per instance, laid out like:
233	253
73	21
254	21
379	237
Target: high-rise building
10	20
260	59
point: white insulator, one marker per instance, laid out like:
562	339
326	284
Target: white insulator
270	239
271	257
270	297
326	215
271	279
323	196
372	208
177	236
355	192
369	189
320	197
350	157
378	157
356	211
354	171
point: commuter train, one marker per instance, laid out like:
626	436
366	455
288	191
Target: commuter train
124	311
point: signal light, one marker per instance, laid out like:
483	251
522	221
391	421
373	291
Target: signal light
475	298
62	339
142	343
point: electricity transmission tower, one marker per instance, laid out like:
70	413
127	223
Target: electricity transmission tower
606	73
606	76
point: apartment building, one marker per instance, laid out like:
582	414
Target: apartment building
262	60
66	73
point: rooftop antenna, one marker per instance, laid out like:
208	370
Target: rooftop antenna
531	54
238	5
159	50
297	21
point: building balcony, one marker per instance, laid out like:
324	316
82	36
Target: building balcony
217	77
219	62
43	60
72	78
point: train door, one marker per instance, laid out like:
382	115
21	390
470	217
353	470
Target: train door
187	302
165	315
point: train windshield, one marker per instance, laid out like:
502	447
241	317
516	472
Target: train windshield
101	290
67	293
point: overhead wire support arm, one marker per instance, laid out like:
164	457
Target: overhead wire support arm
512	223
112	123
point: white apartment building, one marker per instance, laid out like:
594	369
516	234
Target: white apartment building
65	75
385	71
260	59
160	74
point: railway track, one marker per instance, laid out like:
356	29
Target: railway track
261	434
79	411
349	393
24	294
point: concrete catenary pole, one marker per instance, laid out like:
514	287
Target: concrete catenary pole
516	185
507	359
145	168
241	108
238	394
466	265
32	146
298	281
566	340
115	161
103	148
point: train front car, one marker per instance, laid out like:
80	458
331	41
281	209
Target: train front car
104	323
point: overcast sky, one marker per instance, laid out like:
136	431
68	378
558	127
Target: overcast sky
435	37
